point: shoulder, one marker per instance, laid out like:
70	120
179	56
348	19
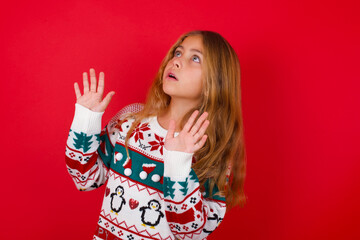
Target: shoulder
113	127
124	113
131	108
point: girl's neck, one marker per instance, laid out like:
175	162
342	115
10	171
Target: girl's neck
176	110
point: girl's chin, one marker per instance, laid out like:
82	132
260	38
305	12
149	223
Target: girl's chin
170	94
174	91
169	89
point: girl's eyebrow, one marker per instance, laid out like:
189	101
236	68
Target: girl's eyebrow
192	49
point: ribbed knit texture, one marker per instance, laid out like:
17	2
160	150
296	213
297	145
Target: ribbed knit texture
87	121
178	164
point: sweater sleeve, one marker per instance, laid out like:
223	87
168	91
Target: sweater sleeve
191	212
89	150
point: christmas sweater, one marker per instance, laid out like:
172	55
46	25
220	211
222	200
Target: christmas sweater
152	194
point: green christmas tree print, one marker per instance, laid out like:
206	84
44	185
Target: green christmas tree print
184	188
82	141
193	176
169	187
97	138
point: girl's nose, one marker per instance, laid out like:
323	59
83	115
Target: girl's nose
177	63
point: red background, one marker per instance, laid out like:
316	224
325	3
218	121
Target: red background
300	83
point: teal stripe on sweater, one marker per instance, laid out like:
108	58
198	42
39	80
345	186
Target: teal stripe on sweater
107	159
137	167
215	192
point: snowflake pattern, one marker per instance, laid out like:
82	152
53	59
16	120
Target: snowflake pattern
158	144
119	126
138	131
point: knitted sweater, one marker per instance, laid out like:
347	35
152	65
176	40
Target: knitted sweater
153	194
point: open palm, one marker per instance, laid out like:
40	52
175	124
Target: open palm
92	97
191	138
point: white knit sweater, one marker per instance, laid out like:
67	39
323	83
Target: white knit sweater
154	194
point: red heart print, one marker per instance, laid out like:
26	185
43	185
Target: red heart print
107	191
133	203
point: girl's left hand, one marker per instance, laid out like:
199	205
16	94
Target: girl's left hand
191	138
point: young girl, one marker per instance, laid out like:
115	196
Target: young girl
174	165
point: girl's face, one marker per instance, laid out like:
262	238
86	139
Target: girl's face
183	74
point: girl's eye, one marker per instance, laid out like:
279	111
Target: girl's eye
176	53
197	58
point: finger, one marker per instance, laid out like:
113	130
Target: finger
202	130
105	102
101	85
85	82
198	123
77	90
201	143
171	130
92	80
190	122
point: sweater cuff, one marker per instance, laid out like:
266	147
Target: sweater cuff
86	121
177	165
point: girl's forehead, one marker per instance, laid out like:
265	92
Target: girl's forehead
192	43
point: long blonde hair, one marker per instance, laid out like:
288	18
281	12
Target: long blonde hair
224	149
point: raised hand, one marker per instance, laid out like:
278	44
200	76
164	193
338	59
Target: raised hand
191	138
92	97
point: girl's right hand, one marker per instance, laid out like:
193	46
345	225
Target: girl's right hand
92	98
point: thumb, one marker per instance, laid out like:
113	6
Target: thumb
171	130
105	102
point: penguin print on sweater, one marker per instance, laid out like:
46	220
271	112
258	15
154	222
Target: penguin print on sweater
151	214
214	218
117	200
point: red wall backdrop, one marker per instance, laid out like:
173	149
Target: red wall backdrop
300	95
